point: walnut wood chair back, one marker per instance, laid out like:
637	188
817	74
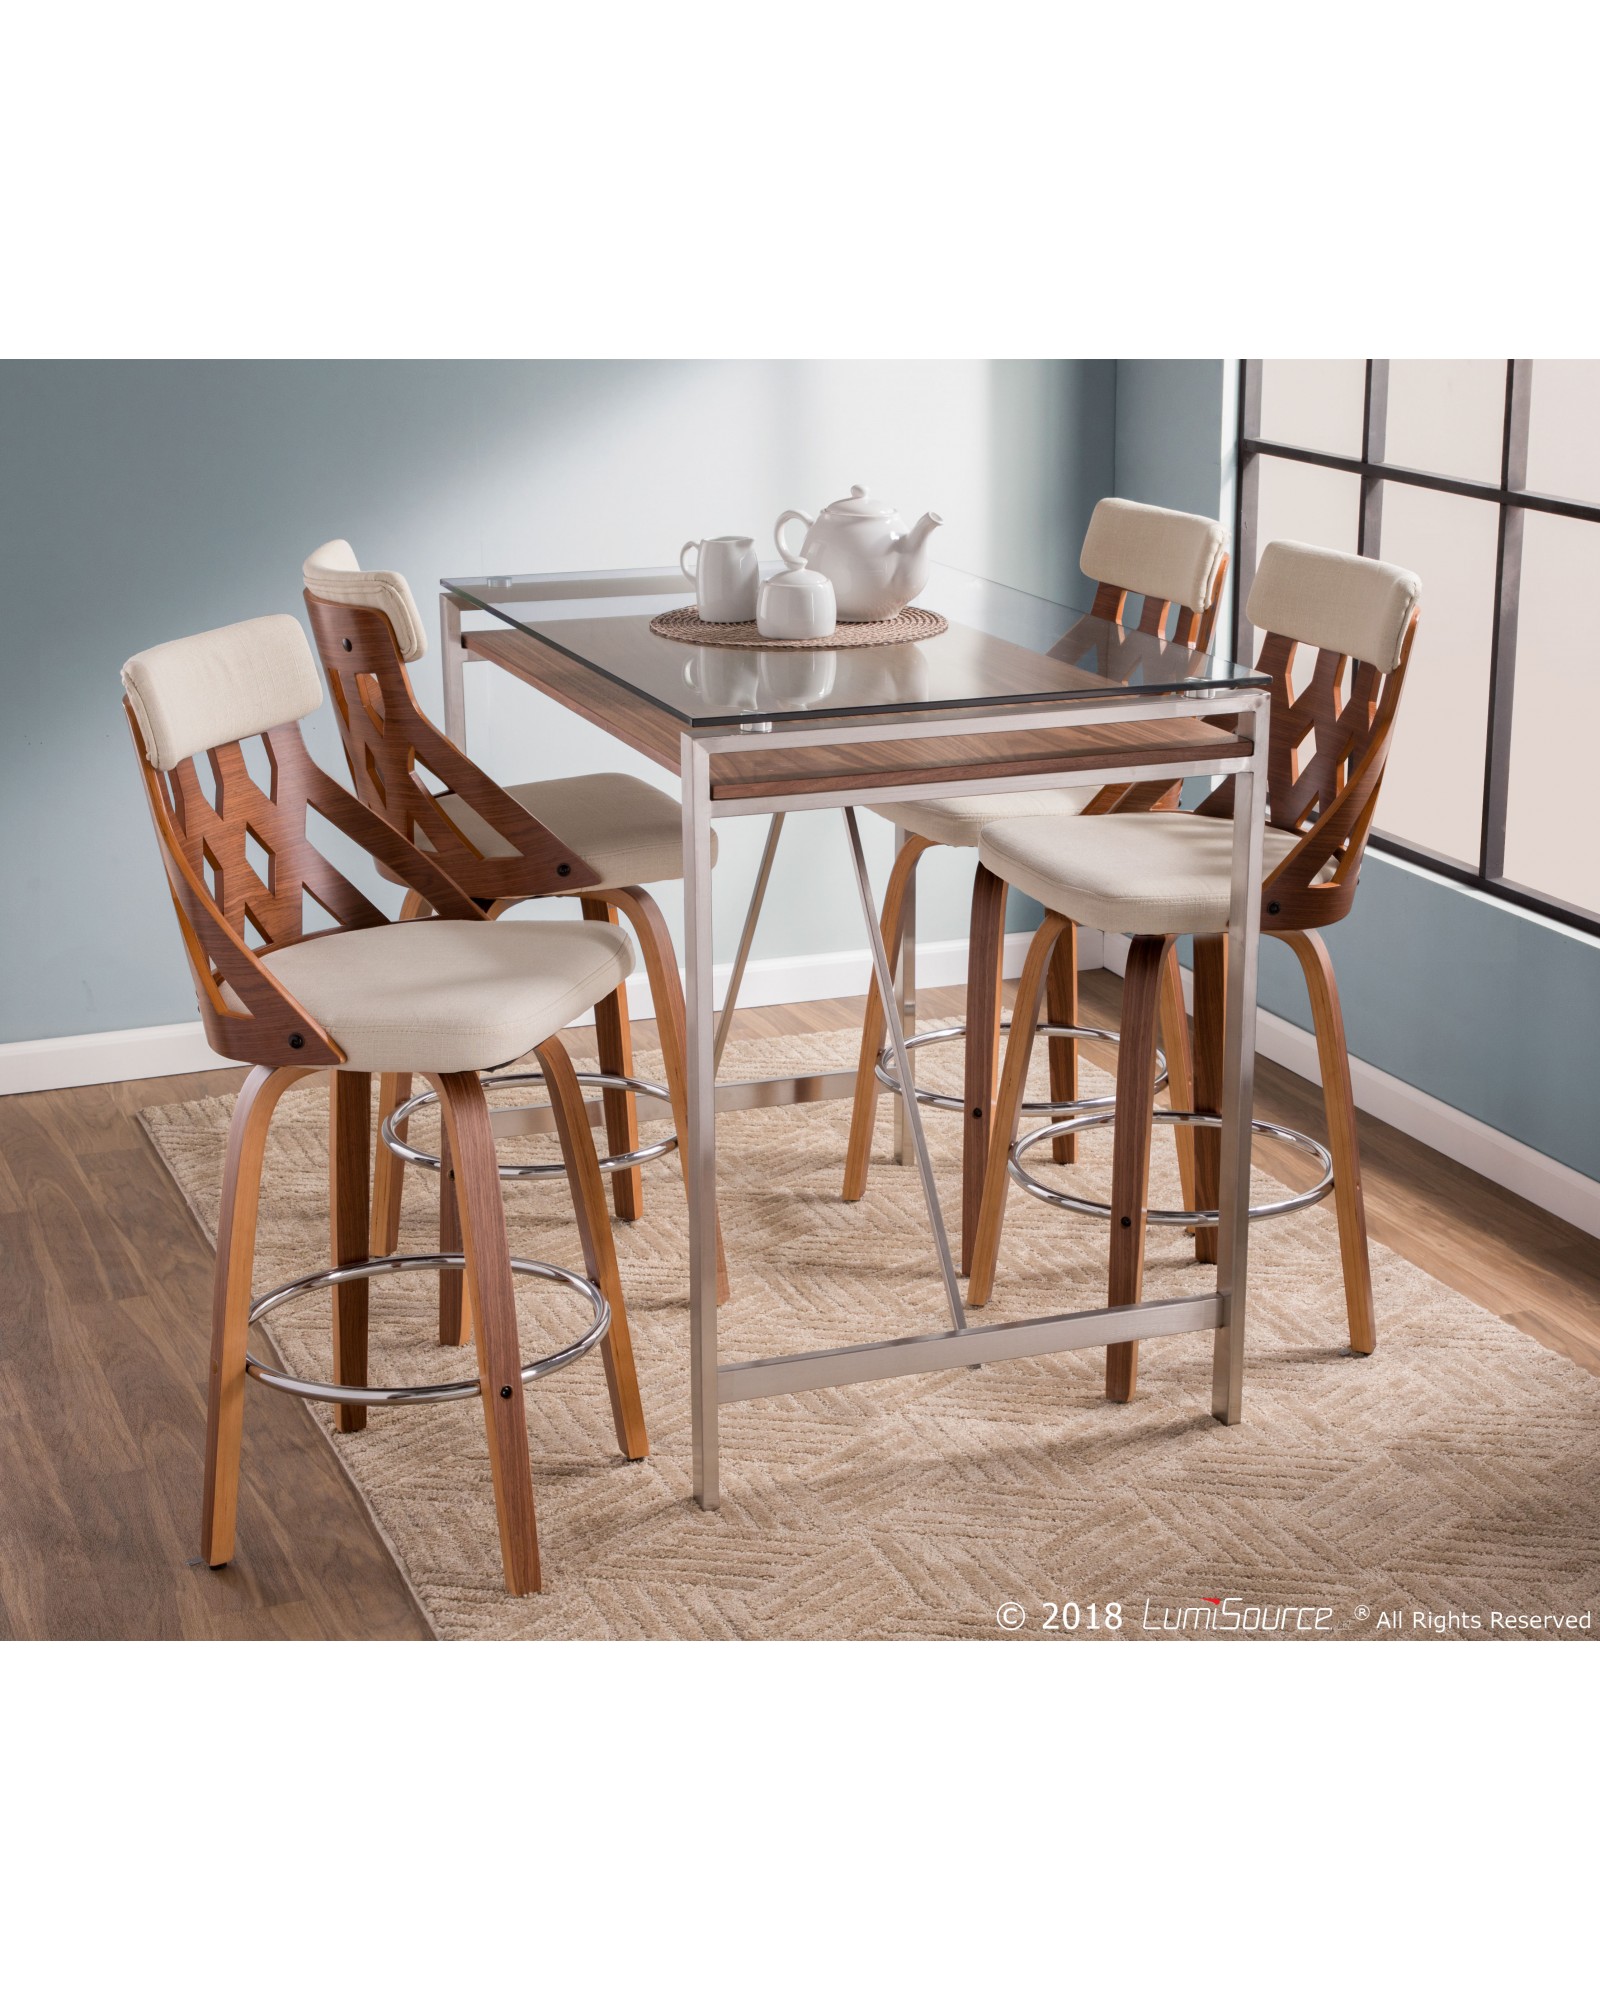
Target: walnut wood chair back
366	626
1328	741
239	860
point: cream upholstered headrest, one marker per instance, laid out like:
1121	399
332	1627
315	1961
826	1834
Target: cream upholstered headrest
1154	551
1344	604
333	572
193	694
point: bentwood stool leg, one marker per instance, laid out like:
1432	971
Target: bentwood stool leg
230	1304
614	1042
1008	1108
465	1115
388	1169
349	1150
985	963
1130	1160
863	1112
666	989
1333	1059
599	1246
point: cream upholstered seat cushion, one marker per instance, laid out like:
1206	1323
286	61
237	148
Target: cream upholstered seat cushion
625	829
332	571
1155	551
958	822
193	694
442	996
1345	604
1162	874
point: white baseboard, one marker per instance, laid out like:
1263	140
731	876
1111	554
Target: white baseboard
1548	1184
66	1062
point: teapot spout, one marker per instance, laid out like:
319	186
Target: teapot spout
912	543
910	558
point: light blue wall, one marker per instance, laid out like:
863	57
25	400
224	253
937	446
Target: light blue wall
141	501
1470	1000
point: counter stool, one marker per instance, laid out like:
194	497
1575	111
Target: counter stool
1162	875
448	995
596	837
1167	559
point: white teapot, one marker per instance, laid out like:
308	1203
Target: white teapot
875	566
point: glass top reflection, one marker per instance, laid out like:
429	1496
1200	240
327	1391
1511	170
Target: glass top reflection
1003	646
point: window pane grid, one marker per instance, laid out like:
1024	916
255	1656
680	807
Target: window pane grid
1488	435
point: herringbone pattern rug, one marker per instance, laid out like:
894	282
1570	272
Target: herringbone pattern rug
1454	1472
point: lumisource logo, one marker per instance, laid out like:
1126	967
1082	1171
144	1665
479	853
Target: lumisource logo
1236	1614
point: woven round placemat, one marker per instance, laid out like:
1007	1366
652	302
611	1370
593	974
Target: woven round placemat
690	629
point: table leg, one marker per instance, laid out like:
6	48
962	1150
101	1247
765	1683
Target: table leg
891	1015
752	916
452	663
905	986
700	1164
1238	1072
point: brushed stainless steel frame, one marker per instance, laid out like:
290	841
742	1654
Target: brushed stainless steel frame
884	975
452	668
905	992
959	1345
1221	1311
752	916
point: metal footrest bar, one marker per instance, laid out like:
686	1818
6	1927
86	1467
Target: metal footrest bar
601	1080
1044	1107
1174	1218
965	1347
424	1392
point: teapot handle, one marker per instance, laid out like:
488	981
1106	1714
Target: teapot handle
691	574
794	514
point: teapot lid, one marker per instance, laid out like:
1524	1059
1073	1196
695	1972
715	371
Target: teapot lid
860	506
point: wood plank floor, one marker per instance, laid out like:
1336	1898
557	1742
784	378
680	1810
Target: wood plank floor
103	1337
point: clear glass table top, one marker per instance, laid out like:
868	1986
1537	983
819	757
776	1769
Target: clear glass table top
1003	647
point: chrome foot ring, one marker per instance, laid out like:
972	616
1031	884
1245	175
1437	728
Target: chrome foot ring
1041	1108
614	1163
424	1392
1174	1218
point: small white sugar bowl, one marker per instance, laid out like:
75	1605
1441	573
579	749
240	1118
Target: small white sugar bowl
797	603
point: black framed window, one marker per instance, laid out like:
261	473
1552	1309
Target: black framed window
1483	477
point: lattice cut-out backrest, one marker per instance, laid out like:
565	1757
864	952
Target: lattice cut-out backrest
1336	675
1320	729
390	745
253	847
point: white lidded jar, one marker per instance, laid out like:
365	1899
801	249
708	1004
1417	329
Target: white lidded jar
797	603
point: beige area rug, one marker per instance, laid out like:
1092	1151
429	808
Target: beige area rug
1448	1479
